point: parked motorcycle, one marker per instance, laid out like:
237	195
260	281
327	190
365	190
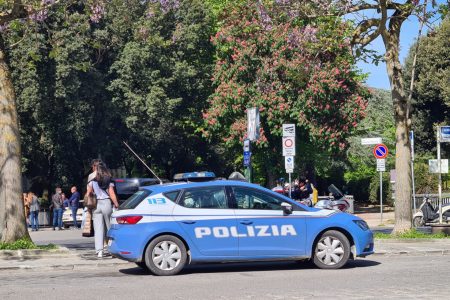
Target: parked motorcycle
336	202
428	214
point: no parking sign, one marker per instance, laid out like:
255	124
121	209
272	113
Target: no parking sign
380	151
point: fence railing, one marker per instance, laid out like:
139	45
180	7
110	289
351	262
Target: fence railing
434	199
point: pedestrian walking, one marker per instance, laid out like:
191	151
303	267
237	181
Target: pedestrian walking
74	202
34	211
57	205
103	188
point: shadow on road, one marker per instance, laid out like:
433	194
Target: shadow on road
251	267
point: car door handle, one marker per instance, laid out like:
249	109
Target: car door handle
188	221
246	222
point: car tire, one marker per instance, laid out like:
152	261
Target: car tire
418	221
166	255
332	250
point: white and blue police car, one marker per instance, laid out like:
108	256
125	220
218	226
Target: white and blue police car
165	227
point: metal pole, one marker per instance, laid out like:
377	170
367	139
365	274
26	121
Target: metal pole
290	185
381	197
439	173
412	169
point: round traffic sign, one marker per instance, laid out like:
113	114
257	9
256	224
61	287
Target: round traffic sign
380	151
288	143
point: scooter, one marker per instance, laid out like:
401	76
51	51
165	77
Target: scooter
336	202
427	214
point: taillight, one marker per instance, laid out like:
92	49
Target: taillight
128	219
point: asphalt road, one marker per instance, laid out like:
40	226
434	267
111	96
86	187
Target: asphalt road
377	277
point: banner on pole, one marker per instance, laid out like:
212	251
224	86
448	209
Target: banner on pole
253	123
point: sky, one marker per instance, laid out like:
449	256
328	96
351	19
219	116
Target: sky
377	75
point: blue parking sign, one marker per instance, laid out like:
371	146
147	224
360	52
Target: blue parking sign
247	158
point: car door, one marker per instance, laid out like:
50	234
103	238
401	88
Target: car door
204	214
263	227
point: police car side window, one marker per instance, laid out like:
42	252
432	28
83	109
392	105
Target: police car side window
208	197
253	199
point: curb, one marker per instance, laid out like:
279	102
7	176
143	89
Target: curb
421	240
413	253
79	266
61	252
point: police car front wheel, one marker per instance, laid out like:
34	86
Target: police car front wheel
332	250
165	255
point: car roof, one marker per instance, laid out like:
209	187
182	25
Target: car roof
162	188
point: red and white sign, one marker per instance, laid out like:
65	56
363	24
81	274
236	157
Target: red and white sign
288	146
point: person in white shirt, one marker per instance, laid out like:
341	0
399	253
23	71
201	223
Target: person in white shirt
103	188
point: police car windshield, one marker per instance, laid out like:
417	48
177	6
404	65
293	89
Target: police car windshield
135	199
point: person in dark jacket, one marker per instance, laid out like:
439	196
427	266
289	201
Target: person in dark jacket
74	202
57	205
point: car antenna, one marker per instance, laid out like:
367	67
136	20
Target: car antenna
160	181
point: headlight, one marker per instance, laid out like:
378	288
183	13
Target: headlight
362	224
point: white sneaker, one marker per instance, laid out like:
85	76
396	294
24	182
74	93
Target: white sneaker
100	254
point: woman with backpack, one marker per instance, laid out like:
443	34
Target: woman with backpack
103	188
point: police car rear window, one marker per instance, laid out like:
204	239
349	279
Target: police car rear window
172	195
135	199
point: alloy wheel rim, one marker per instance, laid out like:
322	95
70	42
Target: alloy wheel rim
330	250
166	255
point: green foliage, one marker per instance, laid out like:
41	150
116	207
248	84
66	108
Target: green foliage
410	234
25	243
432	90
161	83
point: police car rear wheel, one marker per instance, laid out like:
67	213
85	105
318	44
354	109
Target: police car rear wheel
332	251
166	255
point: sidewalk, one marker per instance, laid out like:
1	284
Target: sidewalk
65	259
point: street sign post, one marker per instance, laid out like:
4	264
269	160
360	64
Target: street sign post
443	136
247	160
381	165
380	152
371	141
289	130
289	150
289	164
288	146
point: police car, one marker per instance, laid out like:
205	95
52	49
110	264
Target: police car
165	227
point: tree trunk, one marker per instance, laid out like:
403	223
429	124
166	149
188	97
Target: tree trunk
403	212
12	215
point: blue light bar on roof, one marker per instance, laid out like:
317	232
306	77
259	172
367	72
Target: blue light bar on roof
194	175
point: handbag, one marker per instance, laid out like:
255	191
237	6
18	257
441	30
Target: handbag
91	201
88	229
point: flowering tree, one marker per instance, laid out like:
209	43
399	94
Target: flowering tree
292	69
14	14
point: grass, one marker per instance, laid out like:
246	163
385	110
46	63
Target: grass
410	234
25	244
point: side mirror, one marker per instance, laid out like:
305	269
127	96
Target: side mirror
287	208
